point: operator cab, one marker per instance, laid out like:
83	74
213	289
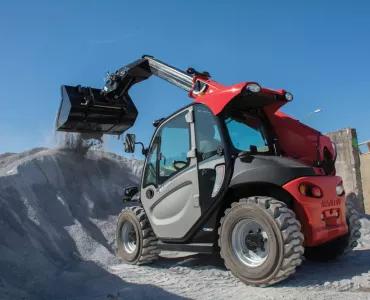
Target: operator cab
193	159
184	170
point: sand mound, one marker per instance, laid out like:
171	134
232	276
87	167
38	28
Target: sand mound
58	209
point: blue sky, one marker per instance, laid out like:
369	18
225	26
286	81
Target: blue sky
318	50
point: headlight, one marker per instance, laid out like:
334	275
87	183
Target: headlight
253	87
340	189
288	96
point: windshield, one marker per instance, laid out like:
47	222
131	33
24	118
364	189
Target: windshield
248	135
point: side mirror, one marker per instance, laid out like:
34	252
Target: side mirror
129	193
130	143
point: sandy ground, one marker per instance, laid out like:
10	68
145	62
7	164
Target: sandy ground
57	224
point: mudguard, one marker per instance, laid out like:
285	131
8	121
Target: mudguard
276	170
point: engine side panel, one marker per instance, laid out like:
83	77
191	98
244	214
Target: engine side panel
269	169
301	142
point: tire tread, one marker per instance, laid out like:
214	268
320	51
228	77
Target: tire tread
291	234
149	252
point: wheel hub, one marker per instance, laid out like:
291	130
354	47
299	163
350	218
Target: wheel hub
250	242
128	237
255	241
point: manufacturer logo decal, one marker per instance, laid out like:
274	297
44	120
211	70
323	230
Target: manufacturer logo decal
332	202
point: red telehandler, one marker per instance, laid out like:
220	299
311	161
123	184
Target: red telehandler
228	173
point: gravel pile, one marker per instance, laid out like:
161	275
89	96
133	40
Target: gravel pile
58	212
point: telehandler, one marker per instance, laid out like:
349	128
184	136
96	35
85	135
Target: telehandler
228	173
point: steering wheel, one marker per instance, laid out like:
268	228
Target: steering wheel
175	162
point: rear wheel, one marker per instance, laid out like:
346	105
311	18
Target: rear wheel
342	246
136	241
260	240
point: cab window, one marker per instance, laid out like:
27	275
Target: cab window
208	139
150	172
174	146
168	153
248	135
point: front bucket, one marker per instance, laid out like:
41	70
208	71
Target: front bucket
98	117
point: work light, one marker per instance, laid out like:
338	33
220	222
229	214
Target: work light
253	87
288	96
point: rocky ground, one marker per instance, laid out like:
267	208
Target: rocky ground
57	220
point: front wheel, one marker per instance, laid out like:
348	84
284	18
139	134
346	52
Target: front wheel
260	241
136	241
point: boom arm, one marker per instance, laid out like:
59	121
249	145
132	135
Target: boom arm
111	110
142	69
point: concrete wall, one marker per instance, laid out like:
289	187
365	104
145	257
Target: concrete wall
365	175
348	164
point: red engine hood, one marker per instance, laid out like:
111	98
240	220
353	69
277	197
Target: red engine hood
302	142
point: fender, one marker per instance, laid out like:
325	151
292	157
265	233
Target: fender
276	170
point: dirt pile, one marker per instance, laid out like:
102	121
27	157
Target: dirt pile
57	219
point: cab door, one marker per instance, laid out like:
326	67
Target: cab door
214	169
170	186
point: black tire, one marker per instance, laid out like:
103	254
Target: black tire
284	236
146	250
340	247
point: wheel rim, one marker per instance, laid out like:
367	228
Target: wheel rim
128	237
250	242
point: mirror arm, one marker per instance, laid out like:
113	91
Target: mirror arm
144	150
